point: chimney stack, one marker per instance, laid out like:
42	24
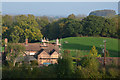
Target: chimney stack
26	41
57	42
6	41
11	50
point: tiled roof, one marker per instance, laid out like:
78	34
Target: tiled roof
49	48
38	47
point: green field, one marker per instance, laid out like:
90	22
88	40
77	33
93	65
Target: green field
84	44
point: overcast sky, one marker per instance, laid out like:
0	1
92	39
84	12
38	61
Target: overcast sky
56	8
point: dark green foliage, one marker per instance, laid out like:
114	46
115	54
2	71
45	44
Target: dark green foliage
88	68
89	26
113	72
98	26
42	22
34	63
63	28
7	20
65	67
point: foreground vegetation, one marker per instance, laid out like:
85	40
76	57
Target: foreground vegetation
85	67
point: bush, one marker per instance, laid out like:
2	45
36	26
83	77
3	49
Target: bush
90	67
10	64
34	63
113	72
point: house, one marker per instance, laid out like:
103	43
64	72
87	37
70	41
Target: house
44	53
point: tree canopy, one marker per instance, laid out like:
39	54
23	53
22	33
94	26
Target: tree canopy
18	28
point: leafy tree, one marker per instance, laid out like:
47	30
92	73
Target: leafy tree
89	67
4	29
98	26
71	16
23	27
33	34
94	52
14	51
24	21
16	33
65	66
63	28
7	21
42	22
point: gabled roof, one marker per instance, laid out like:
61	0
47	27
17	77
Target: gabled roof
52	52
47	51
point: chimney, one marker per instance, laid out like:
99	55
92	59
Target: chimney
26	41
6	41
11	50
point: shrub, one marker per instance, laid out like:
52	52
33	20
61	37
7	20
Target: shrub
113	72
34	63
10	64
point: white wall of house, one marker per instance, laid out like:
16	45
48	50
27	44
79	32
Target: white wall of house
30	52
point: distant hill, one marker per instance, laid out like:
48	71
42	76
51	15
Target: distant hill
103	13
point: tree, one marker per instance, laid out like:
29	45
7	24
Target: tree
23	27
63	28
94	52
71	16
65	66
7	21
98	26
42	22
14	51
90	65
16	33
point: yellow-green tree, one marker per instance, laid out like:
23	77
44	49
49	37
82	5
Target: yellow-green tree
94	52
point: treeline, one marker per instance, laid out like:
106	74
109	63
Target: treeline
18	28
89	26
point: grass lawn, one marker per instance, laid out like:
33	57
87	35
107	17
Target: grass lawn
86	43
82	52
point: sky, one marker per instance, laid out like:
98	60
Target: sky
55	8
